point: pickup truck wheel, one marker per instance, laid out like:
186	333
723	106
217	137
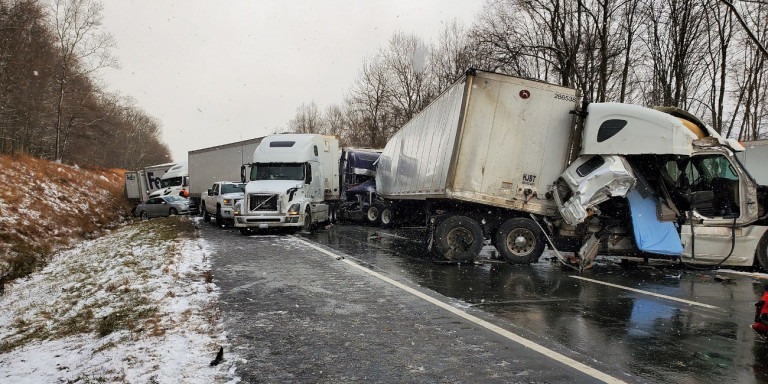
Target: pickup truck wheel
761	254
219	219
206	215
372	215
519	241
386	217
173	212
144	215
459	238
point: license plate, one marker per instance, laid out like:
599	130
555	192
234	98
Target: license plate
263	226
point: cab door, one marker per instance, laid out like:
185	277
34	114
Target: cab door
720	203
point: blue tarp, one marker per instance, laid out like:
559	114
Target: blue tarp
651	235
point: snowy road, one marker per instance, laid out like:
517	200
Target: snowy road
638	325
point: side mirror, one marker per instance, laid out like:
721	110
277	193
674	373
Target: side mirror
309	174
210	191
242	173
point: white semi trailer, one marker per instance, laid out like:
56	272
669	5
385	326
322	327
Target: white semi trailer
506	158
218	163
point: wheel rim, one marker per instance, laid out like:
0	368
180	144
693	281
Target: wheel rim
521	242
386	216
373	213
460	238
307	221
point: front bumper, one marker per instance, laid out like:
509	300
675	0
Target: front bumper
267	221
228	213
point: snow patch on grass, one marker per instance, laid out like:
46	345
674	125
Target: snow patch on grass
135	306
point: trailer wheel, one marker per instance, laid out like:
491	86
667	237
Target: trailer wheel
519	241
387	216
761	254
372	216
459	238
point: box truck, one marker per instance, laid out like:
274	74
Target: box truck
517	161
141	183
292	182
217	163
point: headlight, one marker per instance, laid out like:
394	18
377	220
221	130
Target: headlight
227	201
294	209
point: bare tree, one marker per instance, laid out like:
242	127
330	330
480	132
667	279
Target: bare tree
337	124
410	84
307	120
370	105
82	49
452	55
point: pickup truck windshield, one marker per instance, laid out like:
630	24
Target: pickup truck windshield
232	188
277	171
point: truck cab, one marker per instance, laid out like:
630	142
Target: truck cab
174	182
677	190
293	182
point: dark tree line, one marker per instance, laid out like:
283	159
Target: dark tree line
706	56
51	104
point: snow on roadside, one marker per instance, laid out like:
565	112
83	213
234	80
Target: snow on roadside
134	306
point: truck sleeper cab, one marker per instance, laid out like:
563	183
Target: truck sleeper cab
290	183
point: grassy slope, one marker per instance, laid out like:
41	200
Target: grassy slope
44	206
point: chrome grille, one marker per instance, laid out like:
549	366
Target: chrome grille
257	202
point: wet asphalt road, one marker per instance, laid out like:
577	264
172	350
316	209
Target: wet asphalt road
631	335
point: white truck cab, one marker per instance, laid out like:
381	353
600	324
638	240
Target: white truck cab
174	181
293	182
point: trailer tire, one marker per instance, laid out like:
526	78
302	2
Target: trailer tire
519	241
761	254
387	216
373	215
458	238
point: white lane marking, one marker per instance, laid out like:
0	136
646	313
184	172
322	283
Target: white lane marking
689	302
491	327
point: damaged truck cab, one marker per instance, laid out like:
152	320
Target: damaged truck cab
658	182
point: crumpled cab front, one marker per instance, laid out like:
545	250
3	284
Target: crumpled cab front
589	181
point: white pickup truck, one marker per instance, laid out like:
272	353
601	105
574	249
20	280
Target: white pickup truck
218	201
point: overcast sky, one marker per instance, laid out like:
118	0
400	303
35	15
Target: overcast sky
216	72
